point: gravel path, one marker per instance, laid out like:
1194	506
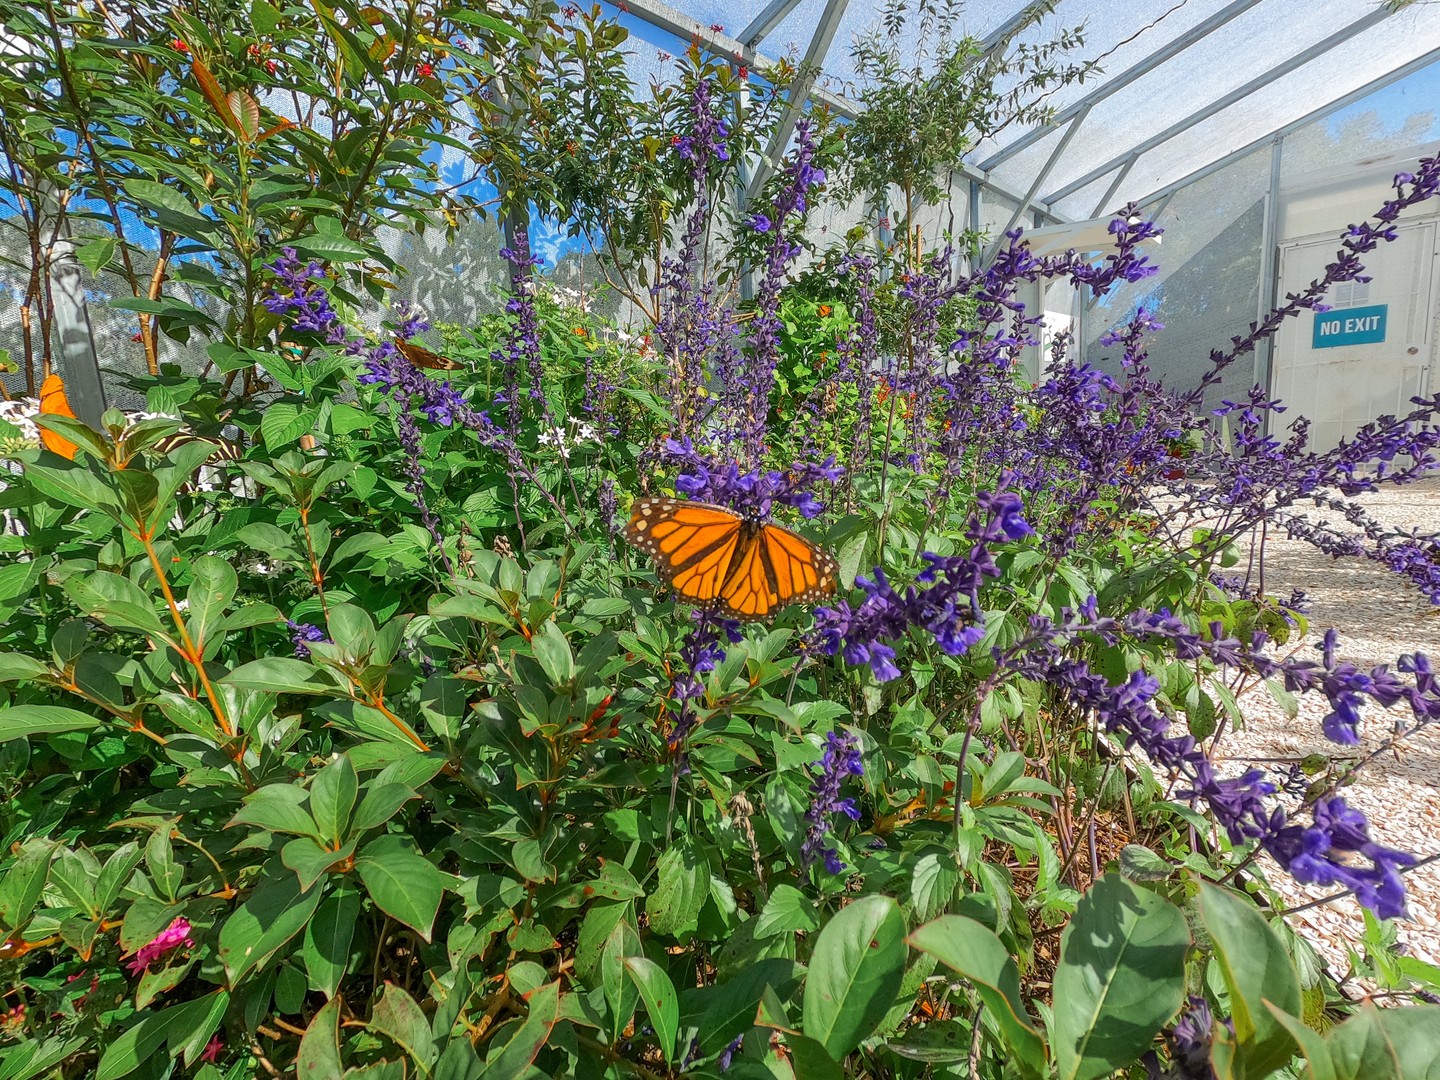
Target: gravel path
1378	617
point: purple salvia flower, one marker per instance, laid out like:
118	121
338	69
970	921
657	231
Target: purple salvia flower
302	635
841	760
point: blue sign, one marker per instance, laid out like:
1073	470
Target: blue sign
1349	326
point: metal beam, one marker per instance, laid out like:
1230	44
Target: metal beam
1002	34
1036	184
1220	104
1269	281
1104	202
766	21
797	94
666	18
1124	79
1418	64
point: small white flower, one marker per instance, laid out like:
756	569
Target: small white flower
587	434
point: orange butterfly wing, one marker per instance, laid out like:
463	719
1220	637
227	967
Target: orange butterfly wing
424	358
692	543
53	402
777	568
711	556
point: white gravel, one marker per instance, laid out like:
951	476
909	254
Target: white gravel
1379	616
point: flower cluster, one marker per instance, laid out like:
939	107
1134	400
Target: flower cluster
298	296
947	607
303	635
1328	851
841	759
750	494
702	649
174	936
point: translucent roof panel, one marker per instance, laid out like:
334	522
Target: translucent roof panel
1120	35
1180	84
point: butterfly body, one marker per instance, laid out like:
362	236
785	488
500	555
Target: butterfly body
743	567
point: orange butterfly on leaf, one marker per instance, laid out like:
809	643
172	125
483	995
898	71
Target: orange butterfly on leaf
744	568
53	402
424	358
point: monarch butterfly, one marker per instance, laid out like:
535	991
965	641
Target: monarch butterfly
424	358
53	402
744	567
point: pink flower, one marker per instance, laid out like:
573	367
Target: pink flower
169	939
212	1049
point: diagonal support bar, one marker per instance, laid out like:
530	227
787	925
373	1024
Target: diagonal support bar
664	17
1360	92
1220	104
760	26
1105	203
799	91
1125	78
1037	183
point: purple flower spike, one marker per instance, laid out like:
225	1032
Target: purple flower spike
303	635
841	759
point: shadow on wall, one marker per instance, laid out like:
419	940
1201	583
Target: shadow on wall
1203	303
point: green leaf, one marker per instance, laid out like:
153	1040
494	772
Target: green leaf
273	914
974	951
553	652
661	1001
212	588
96	254
398	1017
23	881
73	485
281	675
134	1046
852	553
855	972
1121	976
283	422
730	1004
515	1058
1400	1043
788	909
186	1028
487	22
933	884
16	583
683	883
595	929
171	209
1139	863
808	1058
277	808
332	796
320	1045
117	602
1313	1047
379	805
1257	969
204	1016
330	243
23	721
326	948
404	885
310	860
